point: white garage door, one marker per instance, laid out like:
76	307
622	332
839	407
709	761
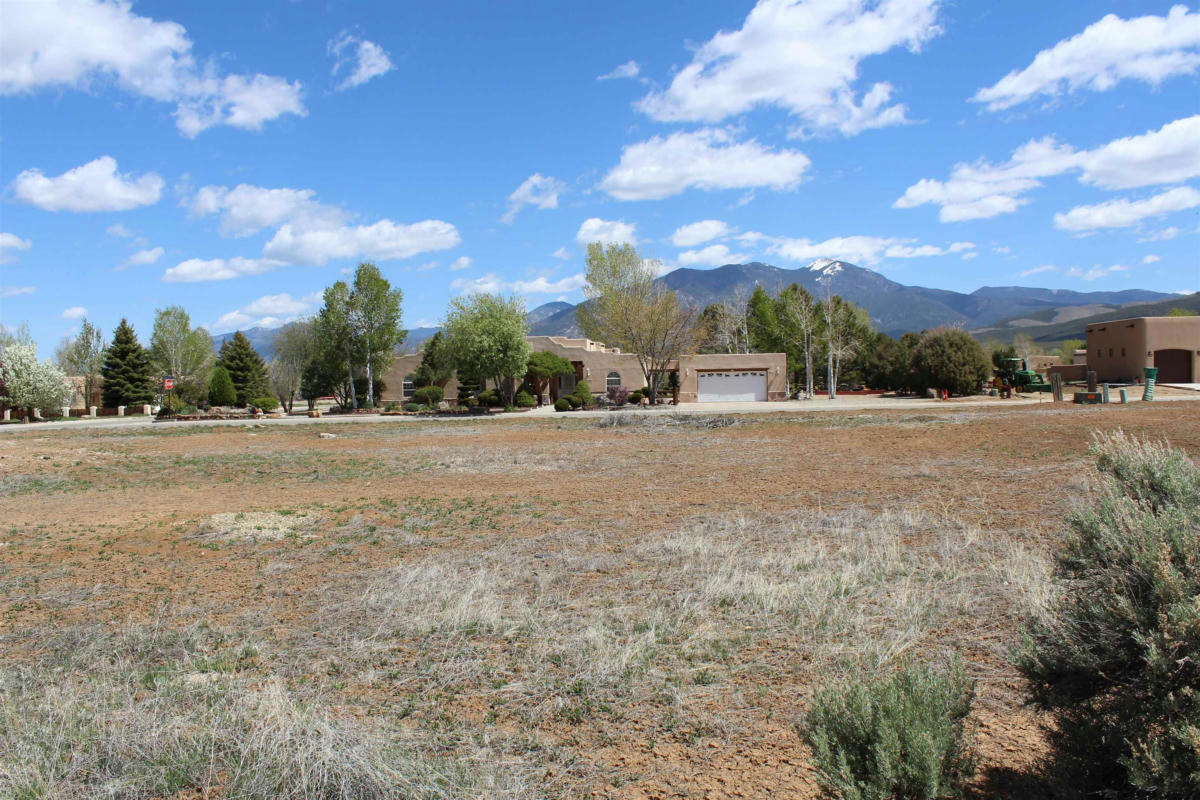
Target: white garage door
731	387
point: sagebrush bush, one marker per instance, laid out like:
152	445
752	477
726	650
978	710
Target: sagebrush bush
1116	657
898	737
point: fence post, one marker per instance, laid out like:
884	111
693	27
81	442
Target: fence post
92	411
120	411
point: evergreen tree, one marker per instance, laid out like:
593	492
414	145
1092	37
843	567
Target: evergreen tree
220	388
126	370
246	369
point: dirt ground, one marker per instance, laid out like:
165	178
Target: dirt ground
639	611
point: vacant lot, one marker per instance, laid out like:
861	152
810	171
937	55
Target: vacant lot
521	609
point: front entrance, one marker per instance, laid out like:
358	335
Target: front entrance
731	387
1174	366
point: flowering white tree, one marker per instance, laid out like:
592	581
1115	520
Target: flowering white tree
29	383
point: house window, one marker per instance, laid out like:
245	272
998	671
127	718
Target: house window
614	380
408	387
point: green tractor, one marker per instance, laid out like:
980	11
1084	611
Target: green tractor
1014	375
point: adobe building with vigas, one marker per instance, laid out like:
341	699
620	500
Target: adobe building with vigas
704	378
1119	350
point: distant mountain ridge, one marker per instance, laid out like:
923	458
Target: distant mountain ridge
999	311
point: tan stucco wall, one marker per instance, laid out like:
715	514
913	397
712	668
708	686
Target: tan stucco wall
403	366
775	365
1118	350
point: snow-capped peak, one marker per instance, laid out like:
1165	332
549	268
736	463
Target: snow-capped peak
826	266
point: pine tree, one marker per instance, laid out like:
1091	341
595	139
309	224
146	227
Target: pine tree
126	370
246	369
220	388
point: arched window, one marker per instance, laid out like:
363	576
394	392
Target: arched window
613	381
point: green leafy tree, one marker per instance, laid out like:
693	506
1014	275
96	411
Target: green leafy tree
437	363
126	370
181	351
323	376
1068	349
83	356
889	366
951	359
626	308
544	366
374	316
486	334
245	367
1182	312
296	345
336	325
29	384
1116	656
220	388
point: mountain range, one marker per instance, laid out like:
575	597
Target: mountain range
997	311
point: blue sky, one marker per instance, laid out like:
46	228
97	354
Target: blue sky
236	158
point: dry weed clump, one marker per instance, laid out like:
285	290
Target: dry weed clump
150	713
666	422
254	526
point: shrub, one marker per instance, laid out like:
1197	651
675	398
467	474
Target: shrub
573	400
583	392
1114	657
635	397
428	396
950	359
903	736
267	403
220	388
468	401
490	398
524	399
391	405
171	405
562	404
618	395
412	406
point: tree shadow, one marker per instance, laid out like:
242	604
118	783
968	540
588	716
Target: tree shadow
1010	783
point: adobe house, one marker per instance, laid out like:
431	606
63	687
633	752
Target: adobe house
1118	350
702	378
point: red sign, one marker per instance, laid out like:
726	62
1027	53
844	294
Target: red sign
168	384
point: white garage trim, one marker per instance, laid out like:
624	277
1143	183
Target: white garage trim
740	386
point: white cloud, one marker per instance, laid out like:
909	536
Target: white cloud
982	190
1149	49
86	43
384	240
865	250
195	270
800	56
562	253
74	312
1096	272
708	159
606	231
369	59
537	190
1037	270
460	263
1166	234
246	209
143	257
699	233
95	186
491	283
1151	259
10	243
1123	212
118	231
13	291
269	311
715	255
1002	250
629	69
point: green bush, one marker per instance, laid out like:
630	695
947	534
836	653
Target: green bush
171	405
562	404
391	405
635	397
524	400
903	736
947	358
584	393
490	398
1116	657
428	396
412	406
573	400
267	403
220	388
